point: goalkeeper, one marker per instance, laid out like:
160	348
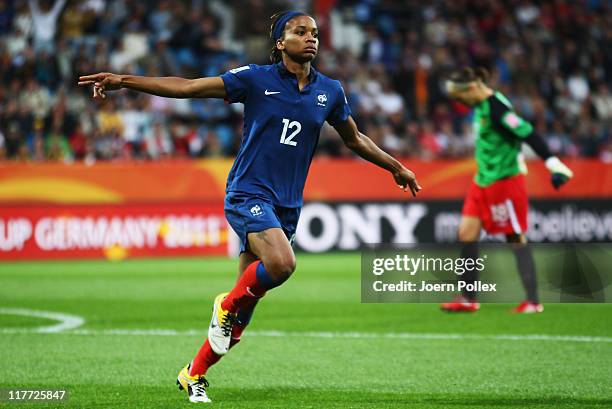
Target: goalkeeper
497	199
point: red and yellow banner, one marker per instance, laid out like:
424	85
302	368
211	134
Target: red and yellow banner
112	231
204	181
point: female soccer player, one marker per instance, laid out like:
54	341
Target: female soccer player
497	198
285	105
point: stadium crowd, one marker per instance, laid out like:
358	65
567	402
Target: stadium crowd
553	59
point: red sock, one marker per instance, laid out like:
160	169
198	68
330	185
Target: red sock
247	288
245	294
206	358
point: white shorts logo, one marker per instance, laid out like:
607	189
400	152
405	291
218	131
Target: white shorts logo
257	210
499	213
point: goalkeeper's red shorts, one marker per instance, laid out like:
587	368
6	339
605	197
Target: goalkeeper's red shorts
502	207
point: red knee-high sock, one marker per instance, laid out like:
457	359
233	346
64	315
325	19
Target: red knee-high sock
206	358
253	284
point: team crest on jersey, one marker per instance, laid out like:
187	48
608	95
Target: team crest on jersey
512	120
256	210
321	98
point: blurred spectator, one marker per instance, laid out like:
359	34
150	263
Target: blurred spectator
109	120
38	147
602	101
79	143
578	86
432	144
2	146
36	99
136	122
45	23
388	100
57	147
159	144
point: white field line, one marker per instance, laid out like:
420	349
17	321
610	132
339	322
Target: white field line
66	321
68	325
329	335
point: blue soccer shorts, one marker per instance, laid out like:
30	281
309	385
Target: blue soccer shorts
250	214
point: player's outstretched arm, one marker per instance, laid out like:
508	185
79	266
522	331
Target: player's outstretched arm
364	147
171	87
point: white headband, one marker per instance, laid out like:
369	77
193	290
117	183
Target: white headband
452	86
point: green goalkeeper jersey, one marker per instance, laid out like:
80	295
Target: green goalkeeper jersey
499	134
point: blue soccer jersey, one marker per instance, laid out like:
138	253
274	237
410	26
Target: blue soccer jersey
281	129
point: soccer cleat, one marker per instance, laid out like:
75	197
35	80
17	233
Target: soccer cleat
220	330
528	307
194	385
460	304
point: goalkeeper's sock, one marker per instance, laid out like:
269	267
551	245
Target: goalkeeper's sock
469	251
526	268
206	357
252	285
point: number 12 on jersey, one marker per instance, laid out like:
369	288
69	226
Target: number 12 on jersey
295	127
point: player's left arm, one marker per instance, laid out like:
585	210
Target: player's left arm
364	147
524	131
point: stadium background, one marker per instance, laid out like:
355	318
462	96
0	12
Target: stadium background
60	149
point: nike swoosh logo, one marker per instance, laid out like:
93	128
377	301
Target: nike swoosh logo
271	92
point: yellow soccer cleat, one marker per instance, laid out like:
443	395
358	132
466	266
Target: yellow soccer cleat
220	329
194	385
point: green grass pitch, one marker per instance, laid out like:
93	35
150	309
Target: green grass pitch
328	350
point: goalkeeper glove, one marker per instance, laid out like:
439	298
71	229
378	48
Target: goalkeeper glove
560	173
